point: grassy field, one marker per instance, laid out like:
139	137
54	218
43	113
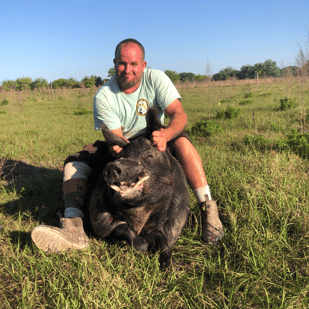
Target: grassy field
260	184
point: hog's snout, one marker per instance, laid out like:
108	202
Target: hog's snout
112	172
121	170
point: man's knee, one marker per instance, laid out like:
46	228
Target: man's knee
183	147
76	169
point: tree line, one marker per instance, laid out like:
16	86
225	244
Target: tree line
267	68
26	83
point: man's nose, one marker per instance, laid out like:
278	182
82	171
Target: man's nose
128	68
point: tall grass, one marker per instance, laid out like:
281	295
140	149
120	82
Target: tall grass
262	193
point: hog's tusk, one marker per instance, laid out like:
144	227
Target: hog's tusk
141	181
115	188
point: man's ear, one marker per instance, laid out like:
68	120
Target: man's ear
144	64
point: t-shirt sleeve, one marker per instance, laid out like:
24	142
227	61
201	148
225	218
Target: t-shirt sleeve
103	113
166	92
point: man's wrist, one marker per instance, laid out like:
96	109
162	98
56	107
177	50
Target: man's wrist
167	133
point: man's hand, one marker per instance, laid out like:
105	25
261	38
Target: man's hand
116	150
159	139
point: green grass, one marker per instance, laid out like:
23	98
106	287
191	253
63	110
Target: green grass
262	193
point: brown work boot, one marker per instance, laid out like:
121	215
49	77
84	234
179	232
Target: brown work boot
212	228
70	235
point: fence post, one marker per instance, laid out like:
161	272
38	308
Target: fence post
51	89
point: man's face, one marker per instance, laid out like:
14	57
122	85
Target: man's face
129	66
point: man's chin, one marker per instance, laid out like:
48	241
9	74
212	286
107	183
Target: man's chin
124	85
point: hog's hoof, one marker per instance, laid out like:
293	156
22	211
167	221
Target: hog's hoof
165	258
139	243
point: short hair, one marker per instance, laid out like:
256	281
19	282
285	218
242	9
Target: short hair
126	41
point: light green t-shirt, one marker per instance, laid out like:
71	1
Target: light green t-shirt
117	110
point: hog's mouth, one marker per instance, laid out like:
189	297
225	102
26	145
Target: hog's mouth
129	189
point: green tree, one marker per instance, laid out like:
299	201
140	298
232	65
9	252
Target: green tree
23	83
199	78
111	72
73	83
8	85
92	81
270	68
98	81
186	77
225	74
39	83
247	71
173	75
60	83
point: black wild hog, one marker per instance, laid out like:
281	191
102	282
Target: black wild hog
142	197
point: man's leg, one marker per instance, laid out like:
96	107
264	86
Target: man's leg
193	168
70	234
77	167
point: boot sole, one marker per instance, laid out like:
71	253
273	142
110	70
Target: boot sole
50	240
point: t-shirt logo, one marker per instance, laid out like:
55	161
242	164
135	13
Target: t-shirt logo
142	107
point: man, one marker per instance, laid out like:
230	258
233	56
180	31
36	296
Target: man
121	105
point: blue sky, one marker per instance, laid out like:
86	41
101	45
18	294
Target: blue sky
61	39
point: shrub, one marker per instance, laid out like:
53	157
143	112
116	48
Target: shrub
232	112
296	142
4	102
2	112
262	143
245	102
287	104
205	128
225	100
265	94
299	143
281	144
83	111
258	141
248	95
220	115
275	127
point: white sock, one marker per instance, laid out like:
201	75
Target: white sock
73	212
199	193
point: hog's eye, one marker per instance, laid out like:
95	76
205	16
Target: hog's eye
149	157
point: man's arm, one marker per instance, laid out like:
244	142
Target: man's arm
178	121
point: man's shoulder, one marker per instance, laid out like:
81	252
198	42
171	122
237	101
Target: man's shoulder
155	77
152	74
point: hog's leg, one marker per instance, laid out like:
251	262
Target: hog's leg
158	242
124	232
106	226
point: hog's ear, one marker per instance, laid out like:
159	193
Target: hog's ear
111	138
153	121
